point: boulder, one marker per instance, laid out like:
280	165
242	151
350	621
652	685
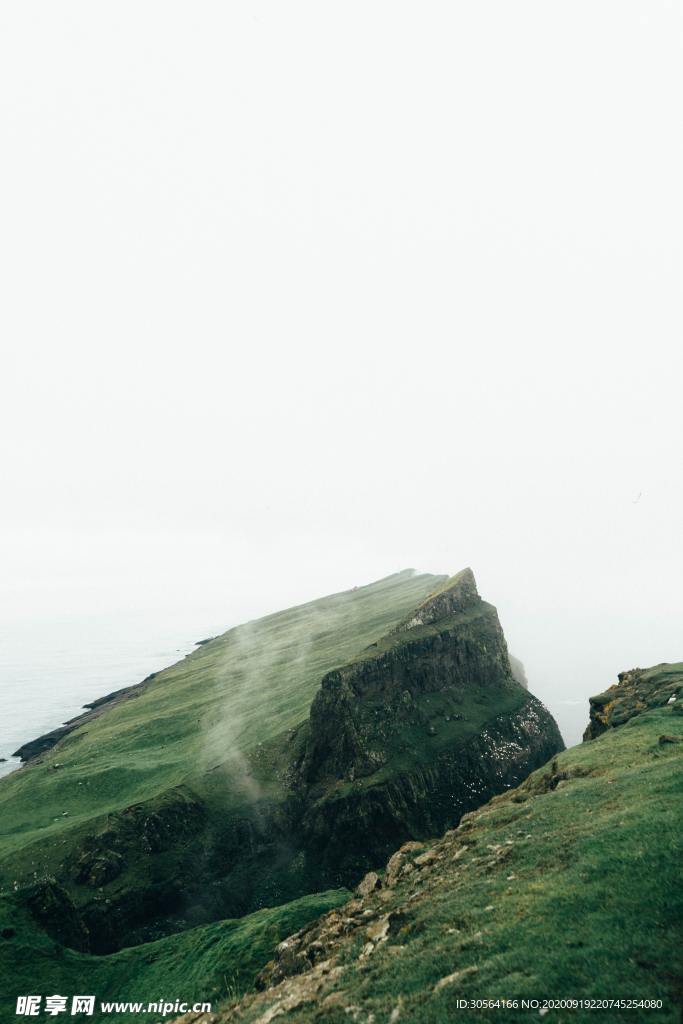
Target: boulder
369	883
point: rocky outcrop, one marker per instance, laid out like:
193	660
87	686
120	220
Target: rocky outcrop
637	690
420	728
453	645
457	594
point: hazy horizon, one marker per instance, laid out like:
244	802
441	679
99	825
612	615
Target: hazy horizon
298	296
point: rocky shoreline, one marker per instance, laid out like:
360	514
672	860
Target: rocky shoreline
34	748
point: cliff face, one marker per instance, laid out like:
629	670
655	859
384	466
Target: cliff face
354	831
452	646
421	727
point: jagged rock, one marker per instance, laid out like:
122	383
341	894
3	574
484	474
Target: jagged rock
453	641
295	992
290	962
637	691
426	858
458	594
369	884
398	859
379	930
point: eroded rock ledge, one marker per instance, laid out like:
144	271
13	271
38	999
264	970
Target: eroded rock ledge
638	690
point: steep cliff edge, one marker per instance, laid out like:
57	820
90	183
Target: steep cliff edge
451	647
415	731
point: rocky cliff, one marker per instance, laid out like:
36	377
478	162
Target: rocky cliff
415	731
636	691
451	647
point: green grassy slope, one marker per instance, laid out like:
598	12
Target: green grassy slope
567	887
205	964
241	689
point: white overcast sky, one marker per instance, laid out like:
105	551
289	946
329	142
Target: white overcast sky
298	294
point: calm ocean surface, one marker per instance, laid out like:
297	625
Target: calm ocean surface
48	670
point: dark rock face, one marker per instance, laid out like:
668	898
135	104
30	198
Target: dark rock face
136	839
638	690
43	743
405	739
452	644
349	834
53	909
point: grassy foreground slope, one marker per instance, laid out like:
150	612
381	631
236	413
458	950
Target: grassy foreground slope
568	887
208	964
241	689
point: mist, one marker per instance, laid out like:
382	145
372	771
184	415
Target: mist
296	296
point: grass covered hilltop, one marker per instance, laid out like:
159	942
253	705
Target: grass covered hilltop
169	842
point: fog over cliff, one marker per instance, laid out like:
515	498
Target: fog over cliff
416	306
